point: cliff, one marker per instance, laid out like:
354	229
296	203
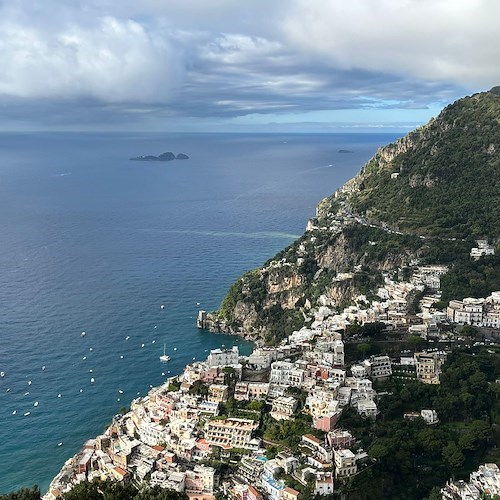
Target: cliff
422	199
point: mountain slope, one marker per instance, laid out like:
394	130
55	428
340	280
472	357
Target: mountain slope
421	199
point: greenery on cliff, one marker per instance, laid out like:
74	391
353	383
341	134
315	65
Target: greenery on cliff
444	195
449	175
412	457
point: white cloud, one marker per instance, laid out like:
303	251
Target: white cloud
102	57
447	40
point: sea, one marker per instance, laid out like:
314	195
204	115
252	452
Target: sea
93	242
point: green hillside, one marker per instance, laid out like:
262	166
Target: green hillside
424	198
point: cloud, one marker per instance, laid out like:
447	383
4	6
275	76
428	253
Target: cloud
445	40
77	55
164	61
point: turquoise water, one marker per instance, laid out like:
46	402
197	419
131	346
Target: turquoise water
93	242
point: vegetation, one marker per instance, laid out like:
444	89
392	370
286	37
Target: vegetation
412	457
23	494
448	178
471	278
445	196
110	490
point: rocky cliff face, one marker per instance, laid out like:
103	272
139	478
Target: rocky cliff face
411	202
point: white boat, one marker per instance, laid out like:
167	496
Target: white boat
2	374
59	444
162	307
92	380
14	412
35	404
83	334
27	413
120	391
165	357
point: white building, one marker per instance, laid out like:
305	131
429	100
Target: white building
345	463
283	408
378	366
284	373
482	249
367	408
223	357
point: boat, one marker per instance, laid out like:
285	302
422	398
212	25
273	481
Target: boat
162	307
120	391
92	380
83	334
35	404
165	357
59	444
27	413
59	395
14	412
2	374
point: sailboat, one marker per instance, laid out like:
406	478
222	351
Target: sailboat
165	357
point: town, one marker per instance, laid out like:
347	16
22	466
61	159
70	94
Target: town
224	412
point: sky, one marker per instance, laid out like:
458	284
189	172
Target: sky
241	65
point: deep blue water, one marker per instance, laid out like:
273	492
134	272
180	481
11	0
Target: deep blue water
93	242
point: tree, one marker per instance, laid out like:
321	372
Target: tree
453	456
199	388
32	493
468	331
364	348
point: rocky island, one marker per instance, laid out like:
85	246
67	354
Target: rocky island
168	156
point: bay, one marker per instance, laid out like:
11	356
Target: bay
93	242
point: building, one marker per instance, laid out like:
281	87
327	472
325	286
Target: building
250	469
378	366
200	480
428	366
327	422
230	432
283	408
324	484
482	249
340	438
468	311
430	416
487	479
472	311
345	463
218	393
223	357
284	373
290	494
367	408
